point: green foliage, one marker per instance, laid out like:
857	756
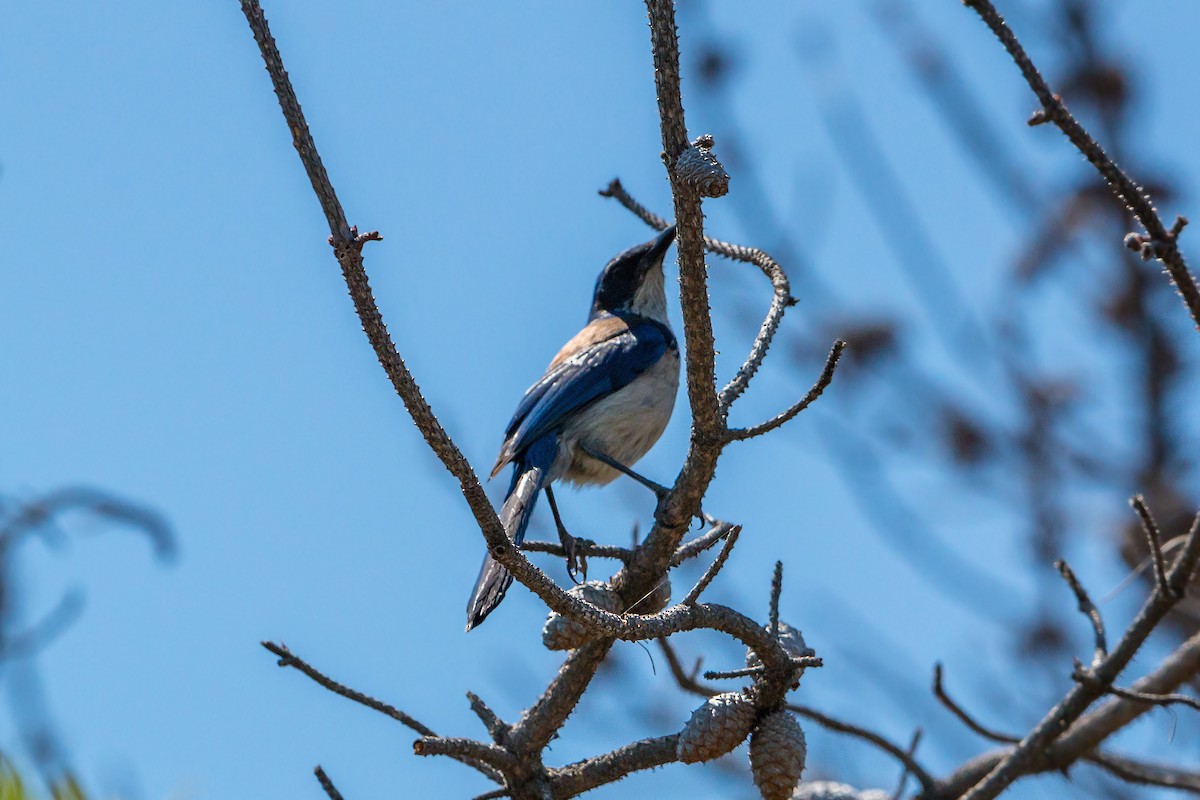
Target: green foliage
14	787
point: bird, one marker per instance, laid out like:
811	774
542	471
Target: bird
603	402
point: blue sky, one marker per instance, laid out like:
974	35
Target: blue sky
173	328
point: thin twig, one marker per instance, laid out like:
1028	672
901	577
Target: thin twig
1084	737
1161	243
495	726
31	516
289	659
1026	757
1155	699
1087	608
24	643
802	662
327	784
494	794
927	781
958	711
582	548
776	591
714	567
347	244
1154	537
696	546
823	381
906	772
1147	774
744	672
1084	676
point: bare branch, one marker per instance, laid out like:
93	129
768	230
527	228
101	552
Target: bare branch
491	722
1087	608
776	591
1084	676
1082	739
494	794
467	751
347	244
32	515
958	711
577	778
906	772
1154	538
826	377
25	643
693	281
1031	752
1147	774
801	662
1159	242
927	781
701	543
288	659
582	547
327	784
714	567
541	722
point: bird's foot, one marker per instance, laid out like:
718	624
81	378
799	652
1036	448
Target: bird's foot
660	510
576	557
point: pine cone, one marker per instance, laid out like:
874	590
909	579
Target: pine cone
777	753
562	633
792	641
716	727
830	790
698	167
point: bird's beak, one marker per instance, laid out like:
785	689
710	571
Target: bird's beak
658	247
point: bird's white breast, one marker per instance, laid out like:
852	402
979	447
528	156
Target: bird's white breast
624	425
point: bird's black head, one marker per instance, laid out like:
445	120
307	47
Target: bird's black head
634	279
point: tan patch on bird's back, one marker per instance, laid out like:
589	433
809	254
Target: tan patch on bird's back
598	331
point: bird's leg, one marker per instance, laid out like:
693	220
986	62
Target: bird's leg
659	490
576	561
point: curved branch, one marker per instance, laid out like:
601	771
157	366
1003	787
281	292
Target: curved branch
940	692
818	388
30	516
781	299
1087	608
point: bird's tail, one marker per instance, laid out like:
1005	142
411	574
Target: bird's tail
530	476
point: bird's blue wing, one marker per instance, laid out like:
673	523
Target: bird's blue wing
594	372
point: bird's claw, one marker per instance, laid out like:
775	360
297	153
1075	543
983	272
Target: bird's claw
660	518
576	560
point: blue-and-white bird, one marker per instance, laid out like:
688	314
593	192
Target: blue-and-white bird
602	404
